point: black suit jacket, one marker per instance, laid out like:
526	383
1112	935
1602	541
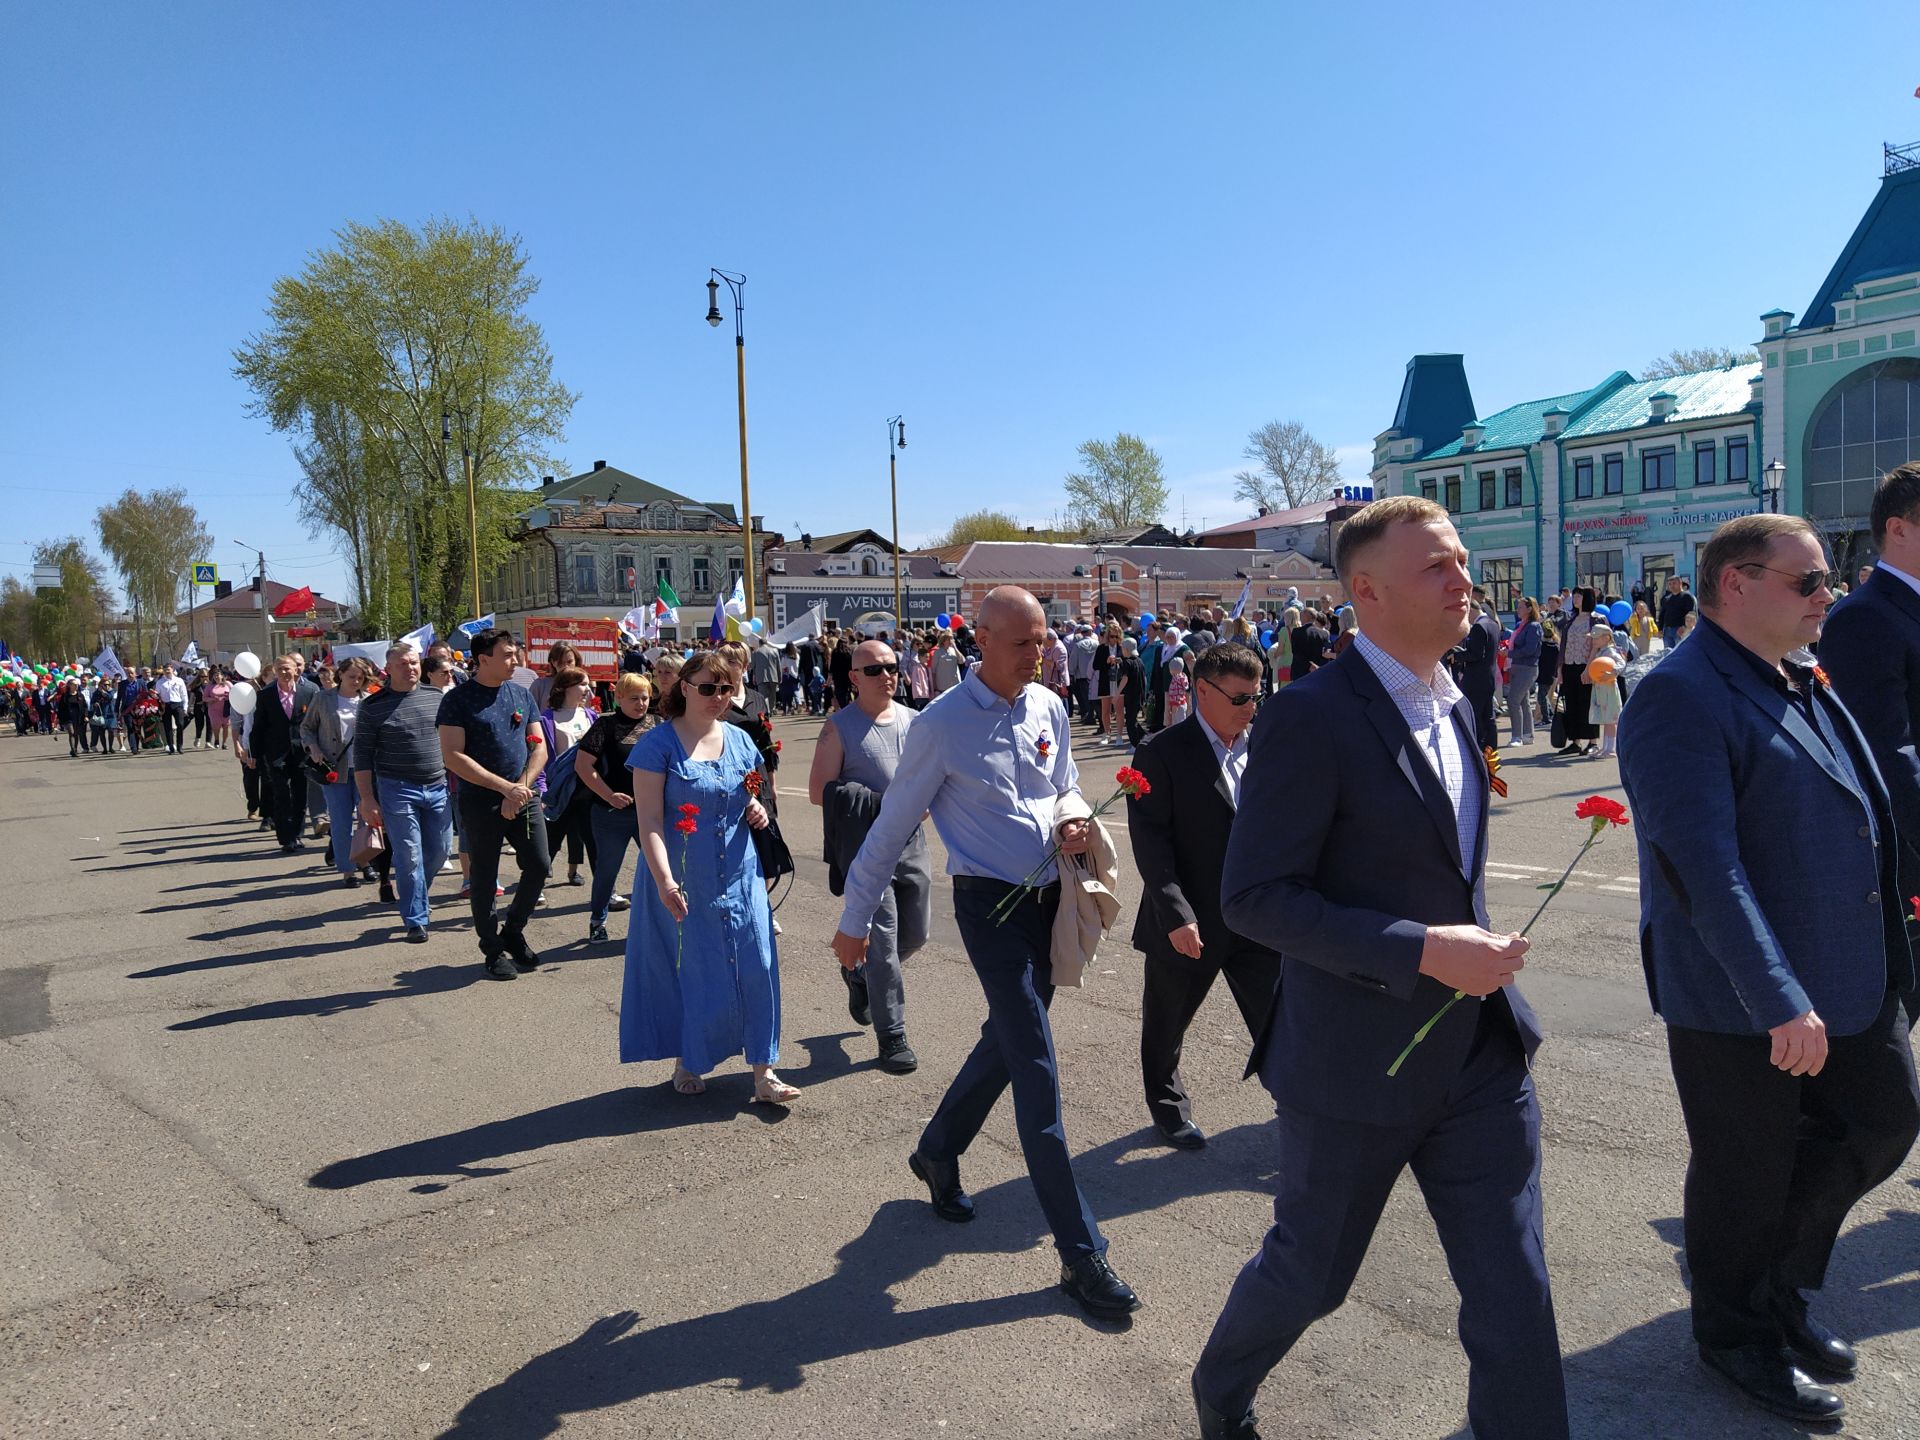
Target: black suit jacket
276	735
1475	658
1870	649
1179	832
1344	850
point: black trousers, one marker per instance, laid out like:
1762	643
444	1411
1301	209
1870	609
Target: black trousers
482	833
1778	1161
173	726
1579	701
576	825
250	786
283	784
1174	990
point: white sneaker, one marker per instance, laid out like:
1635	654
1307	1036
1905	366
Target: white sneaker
618	902
447	864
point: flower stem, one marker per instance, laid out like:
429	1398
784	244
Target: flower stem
1424	1031
1559	884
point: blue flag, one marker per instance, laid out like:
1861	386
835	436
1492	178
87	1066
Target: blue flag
1241	604
474	627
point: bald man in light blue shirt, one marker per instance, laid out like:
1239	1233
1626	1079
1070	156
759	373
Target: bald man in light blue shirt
989	759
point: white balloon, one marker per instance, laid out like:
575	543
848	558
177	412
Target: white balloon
248	665
242	698
523	675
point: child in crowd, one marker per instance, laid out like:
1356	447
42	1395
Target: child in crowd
1179	692
1603	673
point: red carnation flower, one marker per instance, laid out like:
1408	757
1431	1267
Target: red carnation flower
689	809
1133	782
1914	900
686	825
333	777
1598	807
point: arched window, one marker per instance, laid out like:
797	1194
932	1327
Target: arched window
1866	426
867	565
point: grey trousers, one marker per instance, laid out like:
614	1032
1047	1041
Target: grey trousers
899	929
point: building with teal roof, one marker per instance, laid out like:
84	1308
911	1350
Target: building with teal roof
1619	484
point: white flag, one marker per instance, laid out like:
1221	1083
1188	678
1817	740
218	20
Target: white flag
190	657
108	663
421	639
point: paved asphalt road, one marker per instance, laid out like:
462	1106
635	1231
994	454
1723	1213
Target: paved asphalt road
264	1171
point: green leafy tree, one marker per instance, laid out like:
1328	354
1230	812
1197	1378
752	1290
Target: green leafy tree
365	351
1685	362
1120	483
60	624
153	541
980	525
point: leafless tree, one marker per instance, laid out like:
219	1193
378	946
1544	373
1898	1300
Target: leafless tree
1685	362
1295	469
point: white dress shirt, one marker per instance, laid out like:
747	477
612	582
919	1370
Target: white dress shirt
1232	758
1427	707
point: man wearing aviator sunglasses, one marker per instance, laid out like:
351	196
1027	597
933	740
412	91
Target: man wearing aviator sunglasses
1179	830
1776	951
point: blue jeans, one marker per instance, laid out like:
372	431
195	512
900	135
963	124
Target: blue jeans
613	831
416	818
1015	1049
342	800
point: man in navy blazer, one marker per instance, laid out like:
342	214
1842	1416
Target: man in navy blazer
1870	647
1357	853
1775	948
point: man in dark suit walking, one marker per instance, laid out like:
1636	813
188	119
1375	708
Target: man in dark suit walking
1179	830
1357	853
1775	947
274	745
1476	664
1870	646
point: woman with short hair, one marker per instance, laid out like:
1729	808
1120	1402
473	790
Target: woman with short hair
327	735
566	723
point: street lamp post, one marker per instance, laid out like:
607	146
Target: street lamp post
473	517
896	442
1100	568
735	284
1773	484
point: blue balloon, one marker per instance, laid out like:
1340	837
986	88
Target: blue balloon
1146	618
1266	637
756	624
1619	612
943	620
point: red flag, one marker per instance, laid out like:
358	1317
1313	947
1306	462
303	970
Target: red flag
293	604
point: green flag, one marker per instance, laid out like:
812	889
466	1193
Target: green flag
663	592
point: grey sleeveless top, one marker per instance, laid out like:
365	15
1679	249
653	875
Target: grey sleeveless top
872	752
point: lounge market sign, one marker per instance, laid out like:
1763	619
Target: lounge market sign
1640	520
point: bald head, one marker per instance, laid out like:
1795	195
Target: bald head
1009	604
1012	632
873	693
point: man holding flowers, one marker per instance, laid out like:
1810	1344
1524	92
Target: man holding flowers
1773	934
989	758
1361	864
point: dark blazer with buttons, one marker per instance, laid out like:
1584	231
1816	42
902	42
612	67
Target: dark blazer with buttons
1763	891
1343	852
1870	648
275	734
1179	832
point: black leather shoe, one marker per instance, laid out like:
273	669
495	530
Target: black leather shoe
896	1056
1215	1426
500	967
416	935
386	892
1097	1290
1188	1137
1811	1344
942	1179
1770	1380
514	943
857	1005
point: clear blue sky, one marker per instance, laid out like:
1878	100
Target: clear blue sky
1020	225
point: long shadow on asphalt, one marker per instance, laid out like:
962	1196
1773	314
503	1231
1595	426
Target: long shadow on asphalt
287	891
624	1110
1615	1388
389	931
768	1344
428	980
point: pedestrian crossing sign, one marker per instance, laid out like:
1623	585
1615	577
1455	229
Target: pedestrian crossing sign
205	573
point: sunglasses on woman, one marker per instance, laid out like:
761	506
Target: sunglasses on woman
707	688
880	669
1808	583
